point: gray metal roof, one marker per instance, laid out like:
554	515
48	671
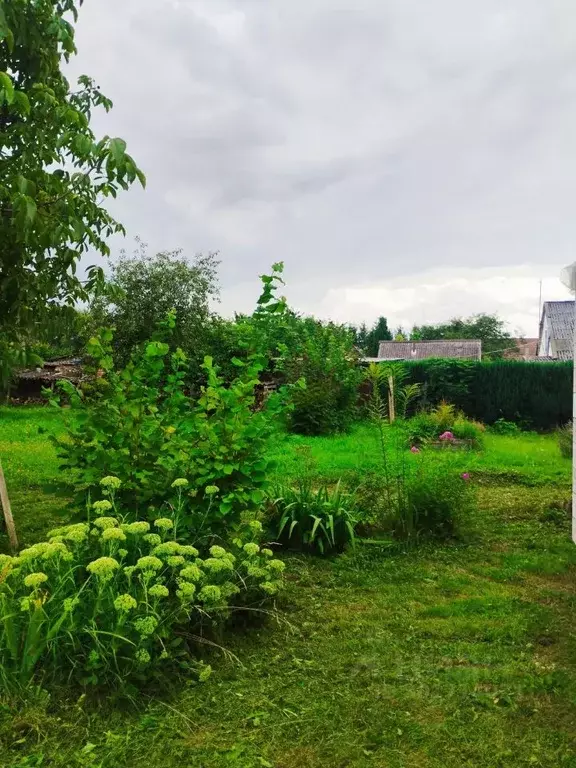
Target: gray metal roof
561	317
466	349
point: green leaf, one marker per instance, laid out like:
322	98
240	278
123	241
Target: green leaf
7	87
31	210
118	150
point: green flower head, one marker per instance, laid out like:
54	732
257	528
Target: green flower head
269	587
122	552
153	539
5	561
191	573
217	551
256	526
145	626
210	594
36	550
110	482
175	560
168	548
142	656
77	534
229	589
113	534
188	549
267	553
180	482
255	572
251	549
186	591
276	565
55	549
103	568
149	563
25	604
163	524
129	570
138	528
218	565
159	590
105	522
211	490
70	603
33	580
102	506
125	603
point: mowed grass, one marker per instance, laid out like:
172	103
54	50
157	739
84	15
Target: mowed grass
529	458
36	486
456	656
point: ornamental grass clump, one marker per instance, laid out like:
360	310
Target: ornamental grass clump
108	603
318	520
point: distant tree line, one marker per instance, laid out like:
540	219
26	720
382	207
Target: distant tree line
490	329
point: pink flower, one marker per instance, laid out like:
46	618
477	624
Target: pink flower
447	436
465	476
415	449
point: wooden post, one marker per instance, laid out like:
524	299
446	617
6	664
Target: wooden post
391	404
8	519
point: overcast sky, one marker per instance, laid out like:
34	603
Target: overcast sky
413	158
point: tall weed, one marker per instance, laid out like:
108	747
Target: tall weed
417	498
565	440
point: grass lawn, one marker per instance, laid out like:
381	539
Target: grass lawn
452	656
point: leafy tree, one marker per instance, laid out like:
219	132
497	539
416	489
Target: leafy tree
361	335
490	329
141	291
379	332
54	173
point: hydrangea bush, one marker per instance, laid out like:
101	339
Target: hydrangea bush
109	601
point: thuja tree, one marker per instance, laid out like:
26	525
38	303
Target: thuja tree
54	173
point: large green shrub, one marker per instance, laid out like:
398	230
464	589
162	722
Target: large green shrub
140	424
323	356
537	395
112	601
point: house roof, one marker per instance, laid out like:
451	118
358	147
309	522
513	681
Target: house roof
561	317
466	349
65	368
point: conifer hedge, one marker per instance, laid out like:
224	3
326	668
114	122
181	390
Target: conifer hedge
535	395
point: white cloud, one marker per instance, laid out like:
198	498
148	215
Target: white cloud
435	296
382	145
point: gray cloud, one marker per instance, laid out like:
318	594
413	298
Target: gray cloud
359	144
